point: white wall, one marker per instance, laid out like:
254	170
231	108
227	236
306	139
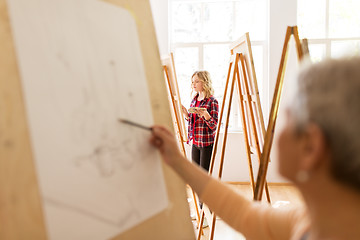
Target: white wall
160	14
236	167
282	13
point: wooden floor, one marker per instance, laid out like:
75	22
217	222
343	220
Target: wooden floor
282	195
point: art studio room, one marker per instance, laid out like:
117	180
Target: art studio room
180	119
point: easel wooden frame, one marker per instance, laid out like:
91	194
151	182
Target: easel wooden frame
173	88
175	102
252	118
252	114
301	49
20	203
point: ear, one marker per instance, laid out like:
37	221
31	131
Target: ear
314	148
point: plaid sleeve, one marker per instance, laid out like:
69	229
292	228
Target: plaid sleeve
214	112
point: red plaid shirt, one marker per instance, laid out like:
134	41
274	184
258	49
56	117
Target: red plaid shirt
201	131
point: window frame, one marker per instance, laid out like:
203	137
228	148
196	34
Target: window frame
201	44
327	40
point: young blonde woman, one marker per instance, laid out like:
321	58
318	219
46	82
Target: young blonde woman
319	151
202	123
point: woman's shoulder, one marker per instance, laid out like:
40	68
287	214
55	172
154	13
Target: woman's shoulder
212	99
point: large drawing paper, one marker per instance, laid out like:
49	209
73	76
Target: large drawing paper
81	67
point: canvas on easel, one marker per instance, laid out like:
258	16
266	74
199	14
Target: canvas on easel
73	171
252	114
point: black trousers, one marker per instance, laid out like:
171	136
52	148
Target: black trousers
202	156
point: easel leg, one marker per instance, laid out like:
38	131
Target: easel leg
264	161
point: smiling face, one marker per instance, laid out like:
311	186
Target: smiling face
197	84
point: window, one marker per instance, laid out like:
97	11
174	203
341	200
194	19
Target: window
332	27
200	34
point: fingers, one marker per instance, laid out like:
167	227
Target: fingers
202	111
156	142
184	109
162	132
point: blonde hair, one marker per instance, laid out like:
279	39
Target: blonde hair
204	76
328	95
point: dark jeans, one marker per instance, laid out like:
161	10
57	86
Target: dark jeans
202	156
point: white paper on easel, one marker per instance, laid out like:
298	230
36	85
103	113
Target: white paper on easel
81	68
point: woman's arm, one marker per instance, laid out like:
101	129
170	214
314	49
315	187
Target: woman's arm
253	220
164	140
211	116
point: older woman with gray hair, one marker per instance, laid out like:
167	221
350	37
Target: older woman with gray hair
319	151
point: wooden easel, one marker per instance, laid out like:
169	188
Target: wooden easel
21	205
175	103
252	115
175	100
242	71
301	49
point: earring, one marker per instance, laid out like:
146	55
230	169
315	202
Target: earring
302	176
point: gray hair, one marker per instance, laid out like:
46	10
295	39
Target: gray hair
328	95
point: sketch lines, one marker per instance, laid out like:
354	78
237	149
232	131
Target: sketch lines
80	74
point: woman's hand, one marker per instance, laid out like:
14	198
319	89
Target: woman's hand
165	141
185	112
203	113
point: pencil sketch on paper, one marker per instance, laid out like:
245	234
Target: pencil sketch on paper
80	74
113	153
